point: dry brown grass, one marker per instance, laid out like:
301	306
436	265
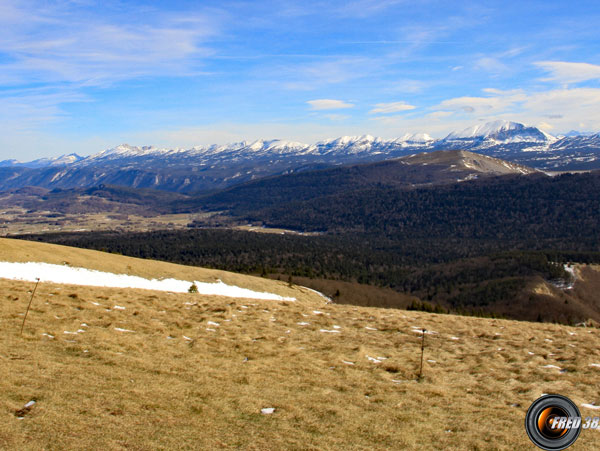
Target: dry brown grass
154	389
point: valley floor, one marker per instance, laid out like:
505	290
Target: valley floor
20	221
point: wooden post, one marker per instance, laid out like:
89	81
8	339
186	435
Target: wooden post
32	294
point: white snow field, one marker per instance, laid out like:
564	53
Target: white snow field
63	274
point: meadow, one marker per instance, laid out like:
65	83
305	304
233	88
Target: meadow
118	368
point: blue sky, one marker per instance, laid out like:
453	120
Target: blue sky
82	76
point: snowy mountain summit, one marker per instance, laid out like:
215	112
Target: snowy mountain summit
502	131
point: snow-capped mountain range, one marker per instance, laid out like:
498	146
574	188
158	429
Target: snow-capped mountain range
204	168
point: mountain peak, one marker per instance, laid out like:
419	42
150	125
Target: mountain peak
501	131
417	138
126	150
348	140
66	159
462	160
577	133
487	129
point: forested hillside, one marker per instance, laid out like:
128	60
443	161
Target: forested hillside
526	209
477	277
409	172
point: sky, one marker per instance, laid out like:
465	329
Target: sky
83	76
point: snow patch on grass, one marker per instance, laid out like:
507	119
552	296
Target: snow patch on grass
47	272
552	366
373	359
419	330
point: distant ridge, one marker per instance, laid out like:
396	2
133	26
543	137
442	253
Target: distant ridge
413	171
207	168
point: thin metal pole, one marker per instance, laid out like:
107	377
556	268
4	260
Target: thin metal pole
32	294
422	353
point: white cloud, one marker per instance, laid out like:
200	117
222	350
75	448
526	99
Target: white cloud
497	102
440	114
364	8
410	86
337	117
566	72
26	109
328	104
569	103
393	107
495	63
491	64
67	46
347	9
512	52
56	45
557	109
332	70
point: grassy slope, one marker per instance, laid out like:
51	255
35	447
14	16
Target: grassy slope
23	251
105	389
